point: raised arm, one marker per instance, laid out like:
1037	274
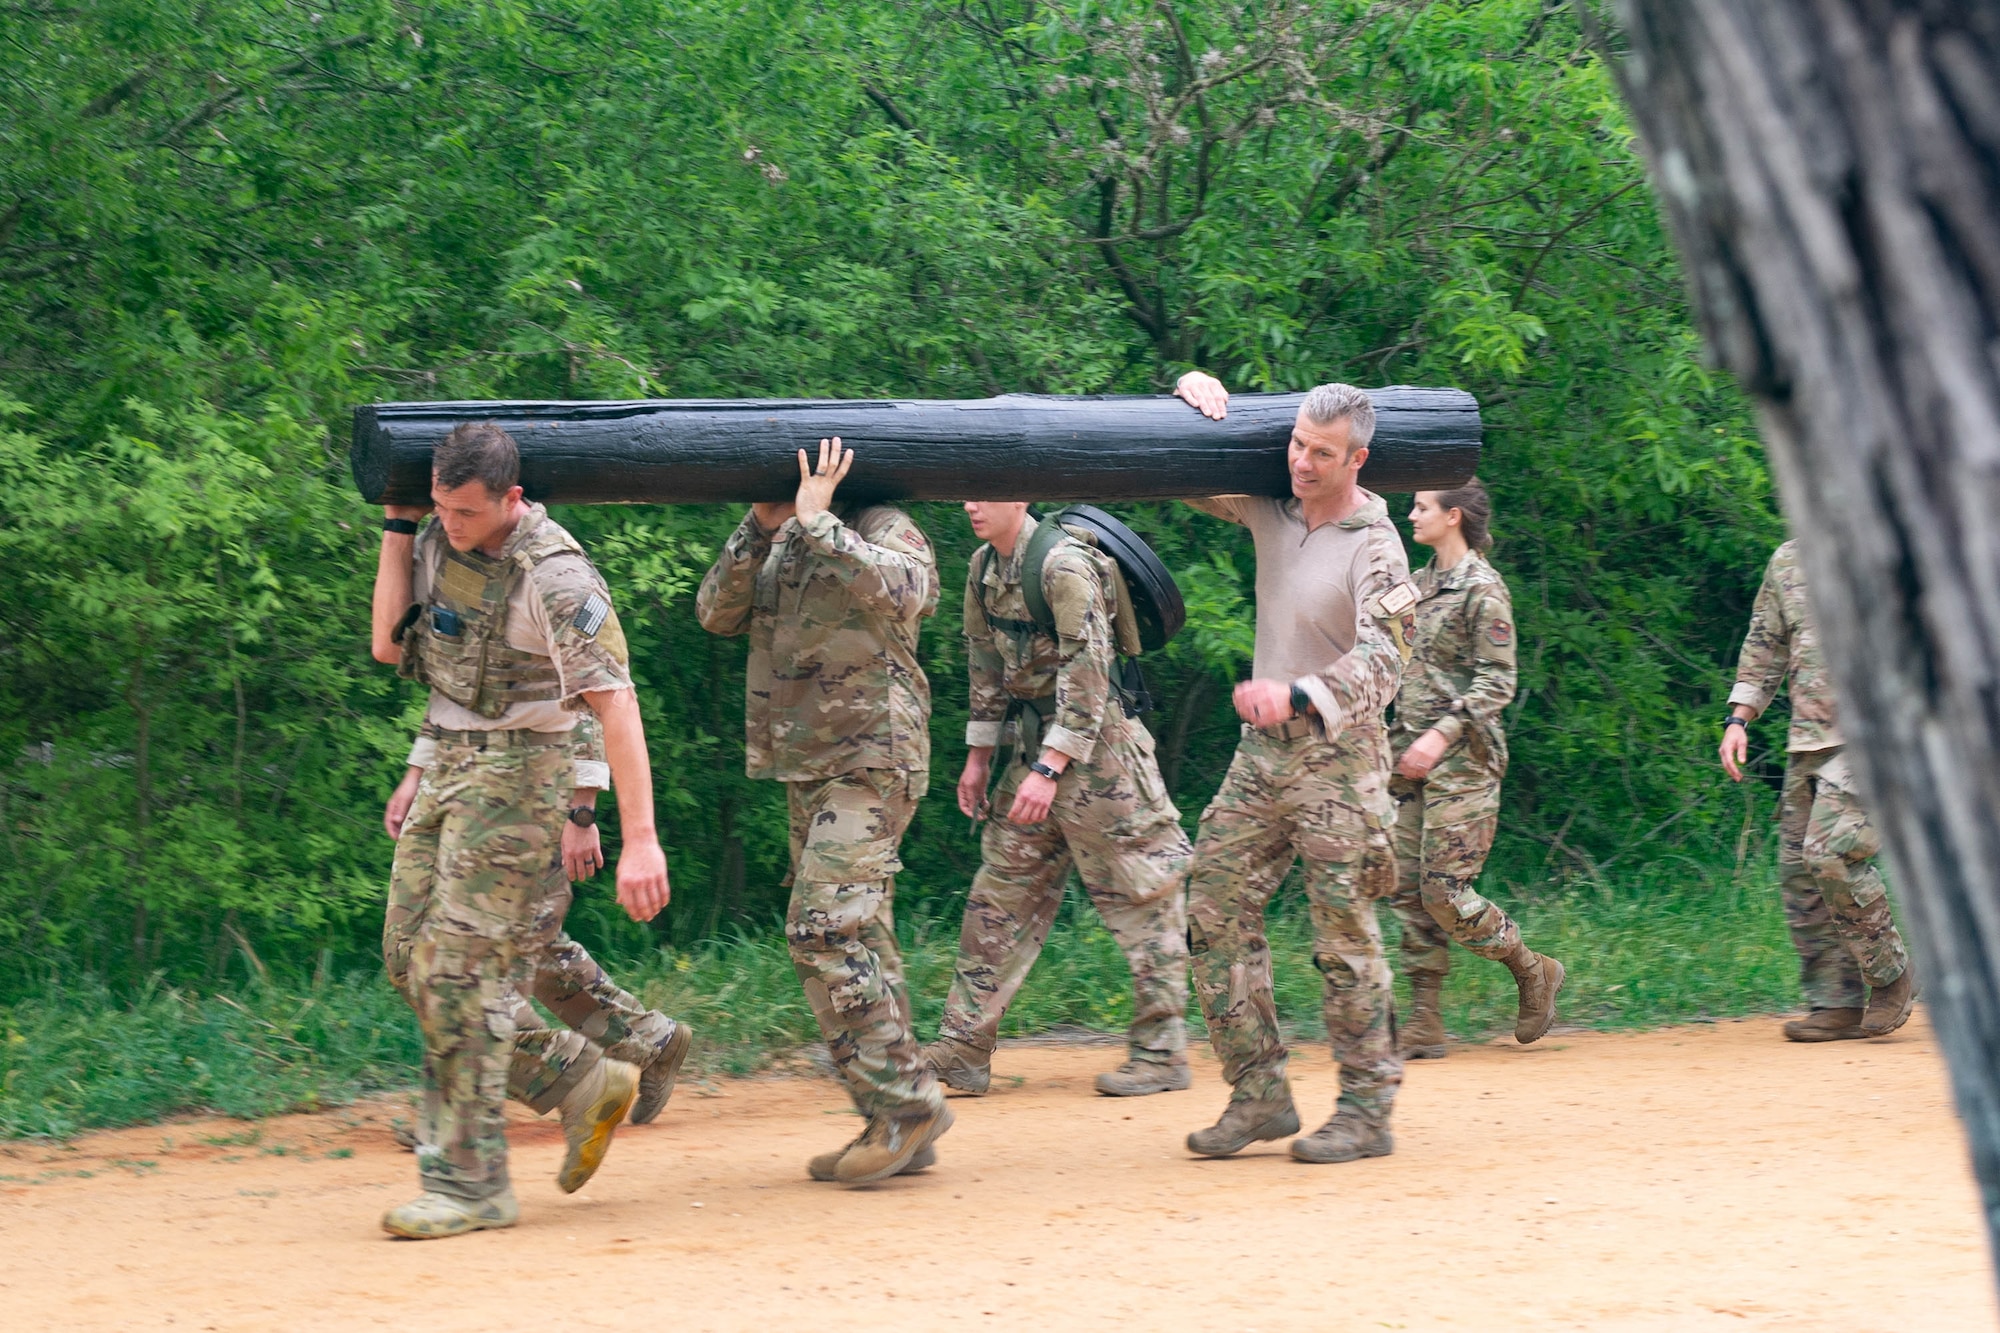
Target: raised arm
730	586
395	577
886	562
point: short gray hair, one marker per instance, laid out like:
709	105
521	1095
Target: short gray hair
1327	403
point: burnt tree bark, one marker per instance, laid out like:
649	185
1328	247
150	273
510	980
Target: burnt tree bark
1015	447
1831	173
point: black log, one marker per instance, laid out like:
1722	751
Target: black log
1016	447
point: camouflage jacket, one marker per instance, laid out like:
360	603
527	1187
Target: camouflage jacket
1782	643
1461	670
832	609
1024	662
1335	605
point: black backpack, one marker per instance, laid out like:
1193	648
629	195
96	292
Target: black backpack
1150	610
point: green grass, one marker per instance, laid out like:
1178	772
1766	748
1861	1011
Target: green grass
81	1057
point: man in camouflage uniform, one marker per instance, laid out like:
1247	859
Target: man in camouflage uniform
1835	901
501	614
1310	781
1452	755
551	1068
1083	788
837	708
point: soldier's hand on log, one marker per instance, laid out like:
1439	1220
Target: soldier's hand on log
1423	754
972	782
582	851
400	802
771	514
1735	751
816	484
1203	392
1264	703
642	879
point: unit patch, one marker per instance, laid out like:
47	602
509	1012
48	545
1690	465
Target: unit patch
590	616
1501	633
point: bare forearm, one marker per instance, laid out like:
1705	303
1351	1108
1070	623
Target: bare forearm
394	591
631	769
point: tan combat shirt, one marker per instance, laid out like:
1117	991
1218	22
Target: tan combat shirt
832	609
1312	586
1461	671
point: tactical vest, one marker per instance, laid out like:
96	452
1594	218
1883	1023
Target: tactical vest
457	644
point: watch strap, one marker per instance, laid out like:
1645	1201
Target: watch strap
406	526
1735	721
1039	767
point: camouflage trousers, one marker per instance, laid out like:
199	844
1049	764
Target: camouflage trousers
1835	901
1113	821
841	929
475	913
1444	828
1291	795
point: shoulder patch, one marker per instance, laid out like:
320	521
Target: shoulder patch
1398	599
1501	633
590	616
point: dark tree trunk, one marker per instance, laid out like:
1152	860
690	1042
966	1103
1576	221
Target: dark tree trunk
1831	171
1016	447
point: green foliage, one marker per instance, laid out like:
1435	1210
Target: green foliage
221	227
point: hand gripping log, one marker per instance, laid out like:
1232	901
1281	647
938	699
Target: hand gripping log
1015	447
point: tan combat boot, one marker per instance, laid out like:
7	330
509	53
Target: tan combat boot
890	1145
1538	978
1141	1078
404	1132
1825	1025
590	1114
1422	1038
656	1080
960	1066
824	1166
1243	1123
432	1216
1348	1136
1889	1006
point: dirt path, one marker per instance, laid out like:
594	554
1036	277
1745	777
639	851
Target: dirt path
1707	1177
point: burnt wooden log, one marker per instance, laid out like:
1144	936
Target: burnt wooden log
1015	447
1831	173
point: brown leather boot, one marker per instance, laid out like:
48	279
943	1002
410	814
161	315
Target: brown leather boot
1243	1123
1825	1025
1538	977
1422	1037
1345	1138
1142	1078
1889	1006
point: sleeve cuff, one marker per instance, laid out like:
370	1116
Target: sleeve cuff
1451	726
1750	697
592	773
822	529
1332	717
1074	744
982	735
422	754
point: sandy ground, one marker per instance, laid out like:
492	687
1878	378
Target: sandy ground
1695	1178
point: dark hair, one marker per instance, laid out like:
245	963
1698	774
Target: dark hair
1475	512
477	451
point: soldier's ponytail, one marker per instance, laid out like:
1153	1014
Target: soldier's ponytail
1475	512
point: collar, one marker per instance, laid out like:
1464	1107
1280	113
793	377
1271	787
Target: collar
1373	509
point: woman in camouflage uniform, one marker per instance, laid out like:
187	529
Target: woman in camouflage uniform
1451	755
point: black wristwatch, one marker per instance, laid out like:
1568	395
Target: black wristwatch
406	526
582	816
1301	701
1735	721
1039	767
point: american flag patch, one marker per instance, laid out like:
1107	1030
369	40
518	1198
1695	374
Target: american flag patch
590	616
